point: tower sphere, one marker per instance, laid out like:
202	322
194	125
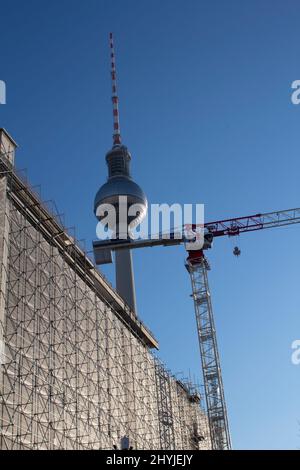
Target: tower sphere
120	183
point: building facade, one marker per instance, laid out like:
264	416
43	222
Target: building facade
77	368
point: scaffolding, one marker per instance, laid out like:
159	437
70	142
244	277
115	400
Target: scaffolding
77	370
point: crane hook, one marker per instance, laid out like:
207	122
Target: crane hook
236	251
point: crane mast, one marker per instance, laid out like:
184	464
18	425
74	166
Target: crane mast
211	369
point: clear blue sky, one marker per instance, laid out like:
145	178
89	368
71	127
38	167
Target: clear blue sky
206	112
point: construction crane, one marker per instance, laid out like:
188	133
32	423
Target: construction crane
197	266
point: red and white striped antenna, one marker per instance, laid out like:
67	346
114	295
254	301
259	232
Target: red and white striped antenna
115	99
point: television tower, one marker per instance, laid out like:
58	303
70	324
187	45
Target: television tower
121	192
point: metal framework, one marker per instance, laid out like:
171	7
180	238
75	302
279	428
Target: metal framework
76	370
250	223
165	414
214	390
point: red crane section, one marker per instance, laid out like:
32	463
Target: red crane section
238	225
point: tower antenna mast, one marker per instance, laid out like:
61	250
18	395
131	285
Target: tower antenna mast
115	99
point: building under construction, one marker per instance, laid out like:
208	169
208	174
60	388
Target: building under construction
77	367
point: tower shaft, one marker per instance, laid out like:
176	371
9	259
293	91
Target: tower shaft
125	277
